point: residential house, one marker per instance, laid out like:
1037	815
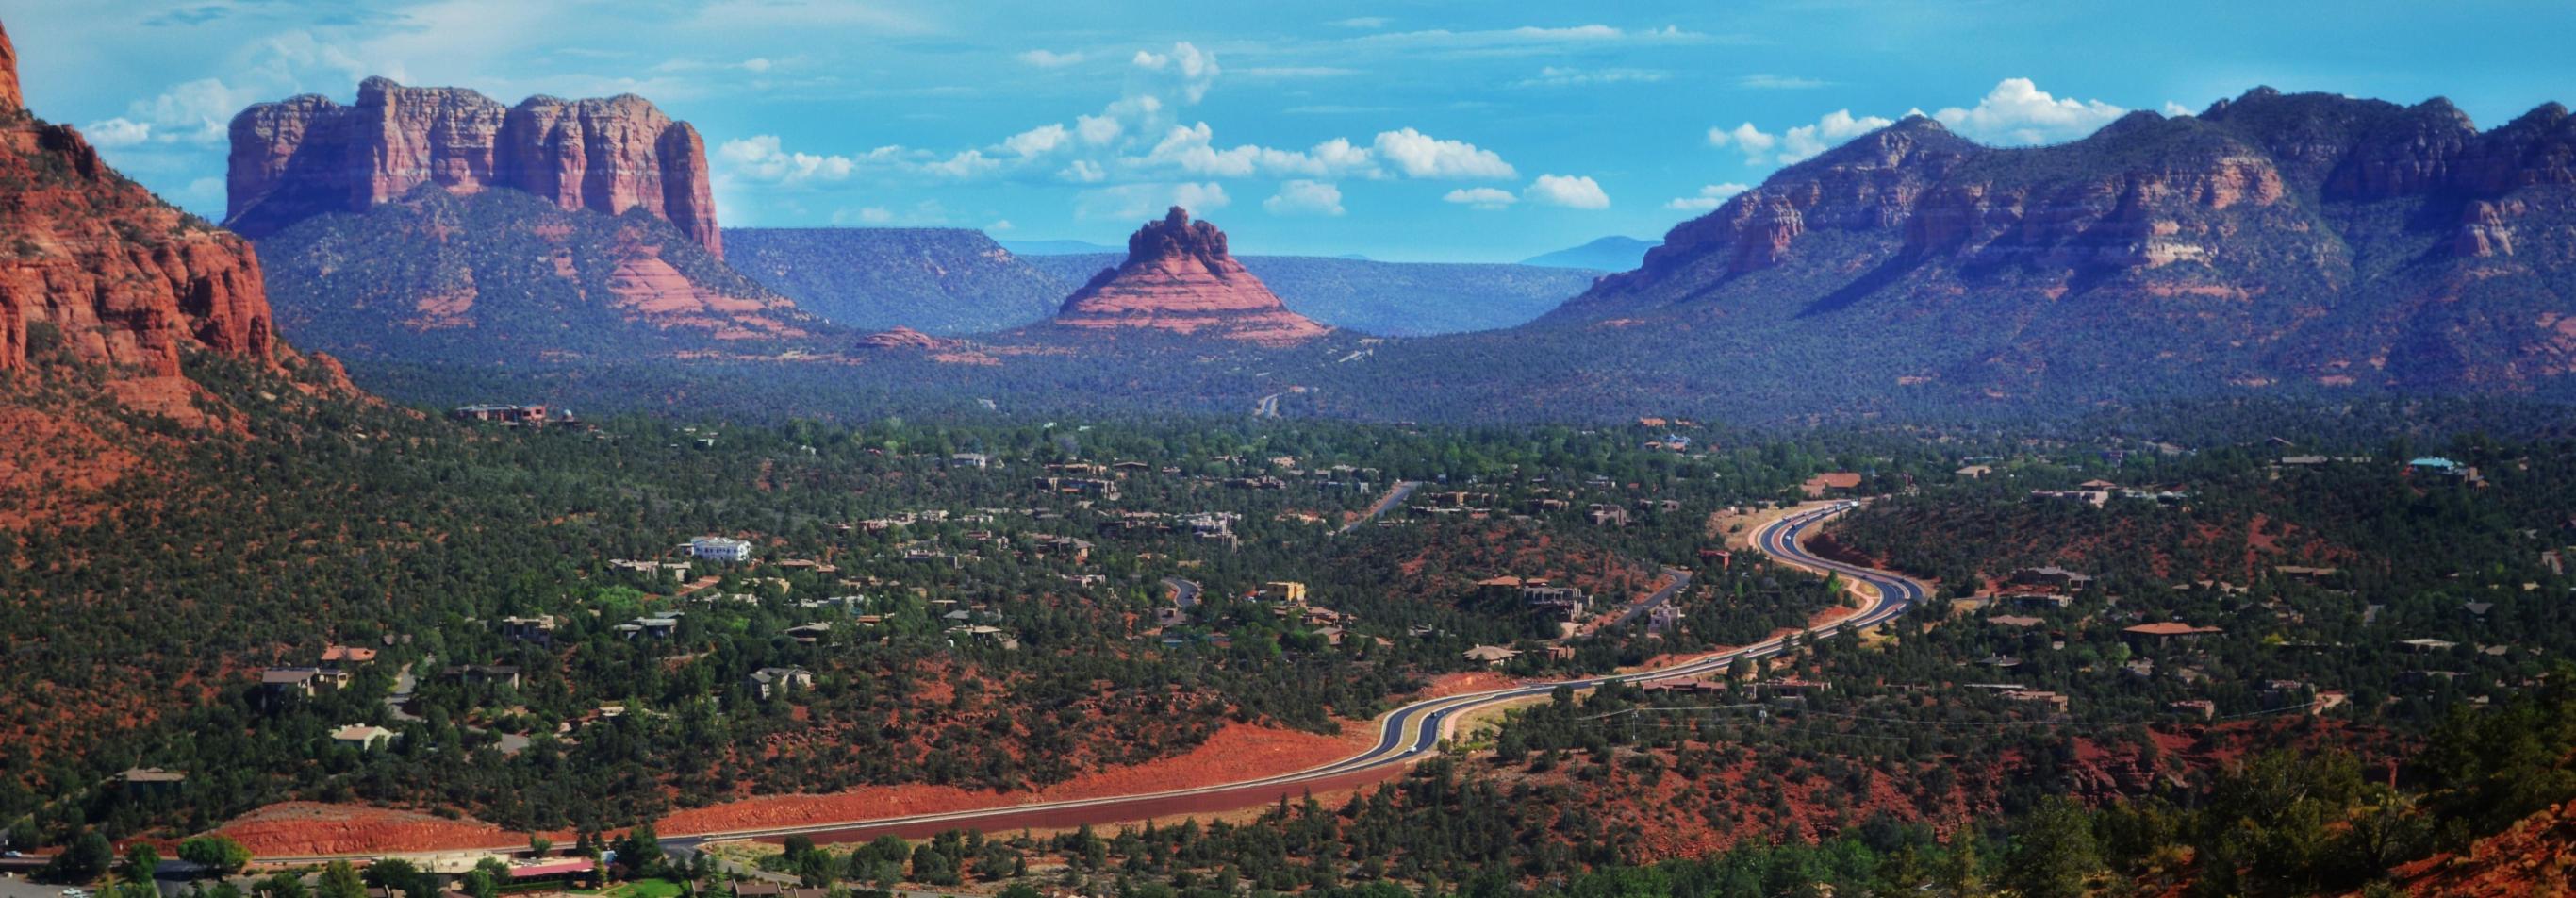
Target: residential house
2434	464
1817	486
539	629
143	782
2041	600
505	414
504	674
975	460
276	682
810	634
2165	632
1286	592
363	737
2051	575
1491	655
1682	687
769	681
661	627
718	548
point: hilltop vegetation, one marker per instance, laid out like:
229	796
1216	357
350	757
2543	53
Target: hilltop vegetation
940	281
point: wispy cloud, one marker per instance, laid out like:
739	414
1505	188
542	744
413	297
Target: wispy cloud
1780	82
1049	59
1144	200
1532	37
1485	198
1563	76
1708	198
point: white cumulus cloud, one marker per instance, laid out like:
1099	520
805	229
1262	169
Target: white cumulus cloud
1798	143
1709	197
1486	198
2015	112
2018	112
1303	197
1196	68
1420	155
1037	141
1569	191
118	132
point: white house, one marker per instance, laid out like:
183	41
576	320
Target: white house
363	736
717	548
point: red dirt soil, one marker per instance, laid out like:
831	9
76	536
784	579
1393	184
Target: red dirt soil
2536	858
302	828
1447	685
1236	752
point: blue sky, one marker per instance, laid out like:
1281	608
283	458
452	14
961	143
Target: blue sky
1400	130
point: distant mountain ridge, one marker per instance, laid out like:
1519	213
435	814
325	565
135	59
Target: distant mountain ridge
1057	247
942	281
2272	239
1612	253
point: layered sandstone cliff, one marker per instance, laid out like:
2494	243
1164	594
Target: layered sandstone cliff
97	267
1178	278
2143	193
2271	238
308	155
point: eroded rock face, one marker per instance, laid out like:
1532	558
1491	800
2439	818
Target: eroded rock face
2145	193
904	338
95	265
10	99
308	155
1178	278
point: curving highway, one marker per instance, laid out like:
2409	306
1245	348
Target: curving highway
1406	735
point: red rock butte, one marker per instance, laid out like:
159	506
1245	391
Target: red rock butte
1179	279
308	155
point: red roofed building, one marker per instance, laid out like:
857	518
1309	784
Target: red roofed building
2170	631
1831	480
546	869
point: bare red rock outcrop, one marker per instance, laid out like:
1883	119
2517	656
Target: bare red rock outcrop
308	155
1178	278
905	338
103	268
10	99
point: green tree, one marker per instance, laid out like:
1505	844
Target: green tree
220	855
87	857
141	861
281	885
339	880
2053	855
